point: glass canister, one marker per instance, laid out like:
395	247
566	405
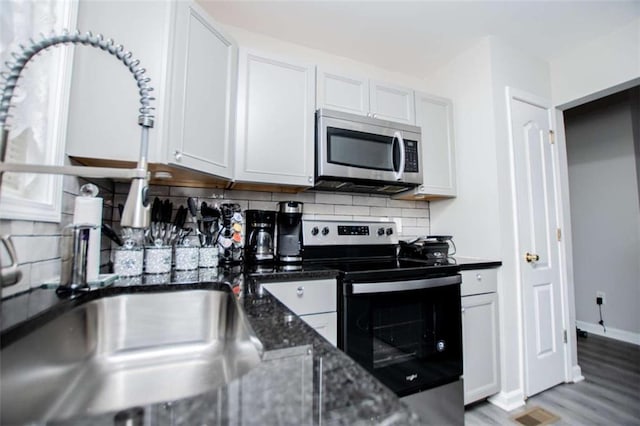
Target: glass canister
186	256
128	260
157	259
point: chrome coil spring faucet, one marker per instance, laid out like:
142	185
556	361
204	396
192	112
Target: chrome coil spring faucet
136	213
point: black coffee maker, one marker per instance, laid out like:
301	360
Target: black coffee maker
289	247
259	235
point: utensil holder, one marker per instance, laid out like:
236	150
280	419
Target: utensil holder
187	258
157	259
208	257
128	261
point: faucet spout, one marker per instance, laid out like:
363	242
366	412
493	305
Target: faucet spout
137	207
136	212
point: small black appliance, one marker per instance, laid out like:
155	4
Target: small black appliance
289	241
260	231
431	247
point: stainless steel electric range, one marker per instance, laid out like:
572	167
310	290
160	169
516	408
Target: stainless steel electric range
397	317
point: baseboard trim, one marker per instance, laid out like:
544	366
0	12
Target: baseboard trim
577	374
612	333
508	401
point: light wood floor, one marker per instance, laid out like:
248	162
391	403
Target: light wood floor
609	395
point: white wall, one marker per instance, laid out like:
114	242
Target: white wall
300	53
605	215
471	217
596	66
481	216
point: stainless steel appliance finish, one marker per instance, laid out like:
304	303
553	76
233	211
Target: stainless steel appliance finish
124	351
361	154
289	240
261	228
399	318
136	213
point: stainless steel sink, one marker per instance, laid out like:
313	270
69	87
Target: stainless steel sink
126	350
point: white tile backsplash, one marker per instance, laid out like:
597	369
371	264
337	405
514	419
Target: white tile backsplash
38	242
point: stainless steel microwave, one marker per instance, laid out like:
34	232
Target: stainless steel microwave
361	154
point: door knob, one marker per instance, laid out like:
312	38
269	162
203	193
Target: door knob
530	257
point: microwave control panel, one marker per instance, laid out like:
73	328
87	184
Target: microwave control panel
411	156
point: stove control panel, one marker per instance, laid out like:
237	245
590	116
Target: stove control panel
329	232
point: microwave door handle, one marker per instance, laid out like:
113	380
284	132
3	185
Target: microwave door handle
397	136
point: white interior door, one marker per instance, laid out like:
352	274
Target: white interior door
534	157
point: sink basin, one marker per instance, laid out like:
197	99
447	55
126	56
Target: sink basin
126	350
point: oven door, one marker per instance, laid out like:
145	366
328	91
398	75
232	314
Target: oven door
408	334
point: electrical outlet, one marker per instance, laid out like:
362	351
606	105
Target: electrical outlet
601	295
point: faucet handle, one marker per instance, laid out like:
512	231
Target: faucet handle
10	275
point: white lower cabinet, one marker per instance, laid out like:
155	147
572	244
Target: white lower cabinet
315	301
480	341
325	324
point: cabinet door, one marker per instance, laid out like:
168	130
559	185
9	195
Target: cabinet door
275	125
390	102
203	89
480	341
342	92
325	324
104	99
435	116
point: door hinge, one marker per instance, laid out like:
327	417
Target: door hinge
559	234
552	137
565	336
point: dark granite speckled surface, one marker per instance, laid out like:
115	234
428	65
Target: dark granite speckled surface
301	380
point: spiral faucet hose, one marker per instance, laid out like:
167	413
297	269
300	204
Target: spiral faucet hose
136	212
11	76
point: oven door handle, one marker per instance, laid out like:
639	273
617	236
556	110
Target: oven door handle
396	286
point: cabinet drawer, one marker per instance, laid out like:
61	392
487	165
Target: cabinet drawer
306	297
325	324
477	281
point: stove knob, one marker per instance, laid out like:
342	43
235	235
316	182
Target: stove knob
314	231
380	231
441	346
325	230
389	231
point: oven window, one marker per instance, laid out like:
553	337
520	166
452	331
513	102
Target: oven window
409	340
360	149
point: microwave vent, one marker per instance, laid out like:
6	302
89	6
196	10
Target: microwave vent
341	186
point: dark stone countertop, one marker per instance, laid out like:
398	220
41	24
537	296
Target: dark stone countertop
302	379
469	263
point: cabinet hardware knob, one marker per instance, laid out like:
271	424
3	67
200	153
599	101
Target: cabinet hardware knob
462	309
300	291
479	277
531	257
374	115
178	155
310	179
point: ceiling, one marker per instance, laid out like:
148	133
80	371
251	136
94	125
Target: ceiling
416	37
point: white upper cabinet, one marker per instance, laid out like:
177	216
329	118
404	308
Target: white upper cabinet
359	95
192	69
434	116
391	102
203	94
342	92
275	120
